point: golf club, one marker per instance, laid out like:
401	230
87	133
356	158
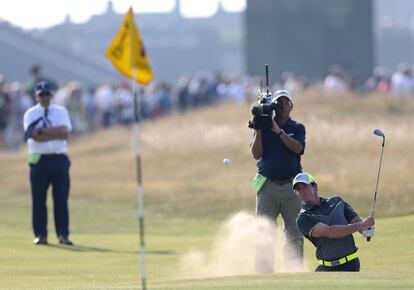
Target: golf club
379	133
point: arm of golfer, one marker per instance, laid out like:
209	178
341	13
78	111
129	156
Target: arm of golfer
51	133
322	230
256	146
355	220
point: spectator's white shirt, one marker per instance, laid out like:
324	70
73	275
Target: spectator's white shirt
57	116
105	98
334	84
61	97
236	93
124	97
402	85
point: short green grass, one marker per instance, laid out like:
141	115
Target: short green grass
106	250
106	254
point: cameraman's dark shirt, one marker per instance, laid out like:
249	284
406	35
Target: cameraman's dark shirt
331	211
278	161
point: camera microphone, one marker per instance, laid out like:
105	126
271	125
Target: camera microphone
256	110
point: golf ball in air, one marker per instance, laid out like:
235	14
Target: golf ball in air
226	161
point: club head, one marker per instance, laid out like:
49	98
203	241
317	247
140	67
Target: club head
378	132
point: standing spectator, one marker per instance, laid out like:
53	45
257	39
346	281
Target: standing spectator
183	95
76	107
378	81
46	129
144	100
235	91
164	98
278	151
335	82
36	76
90	109
19	103
124	100
105	102
402	82
5	104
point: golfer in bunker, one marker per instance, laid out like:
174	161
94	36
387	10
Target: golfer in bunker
329	224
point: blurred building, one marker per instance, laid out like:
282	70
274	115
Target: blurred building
300	36
394	33
307	36
175	45
19	51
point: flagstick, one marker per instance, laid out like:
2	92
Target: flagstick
140	190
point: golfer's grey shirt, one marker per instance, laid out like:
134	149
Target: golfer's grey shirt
331	211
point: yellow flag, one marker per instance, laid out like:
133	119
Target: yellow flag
127	51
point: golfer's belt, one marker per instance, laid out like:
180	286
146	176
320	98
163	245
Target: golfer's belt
338	262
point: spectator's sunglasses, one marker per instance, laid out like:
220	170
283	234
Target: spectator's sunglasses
44	94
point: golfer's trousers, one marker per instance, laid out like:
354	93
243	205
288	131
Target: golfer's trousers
50	170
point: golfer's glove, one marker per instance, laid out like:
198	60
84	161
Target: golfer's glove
369	233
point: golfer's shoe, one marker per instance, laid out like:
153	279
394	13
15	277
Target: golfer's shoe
64	240
40	240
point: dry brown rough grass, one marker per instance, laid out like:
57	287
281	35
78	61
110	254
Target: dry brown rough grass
183	172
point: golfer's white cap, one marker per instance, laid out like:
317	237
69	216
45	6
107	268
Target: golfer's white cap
282	93
303	177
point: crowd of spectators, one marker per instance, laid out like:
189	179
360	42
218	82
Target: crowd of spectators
398	84
111	104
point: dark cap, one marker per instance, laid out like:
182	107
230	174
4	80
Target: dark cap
42	87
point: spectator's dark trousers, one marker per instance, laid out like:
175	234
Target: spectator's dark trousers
51	169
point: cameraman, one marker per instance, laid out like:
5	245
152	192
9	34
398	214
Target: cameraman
278	152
